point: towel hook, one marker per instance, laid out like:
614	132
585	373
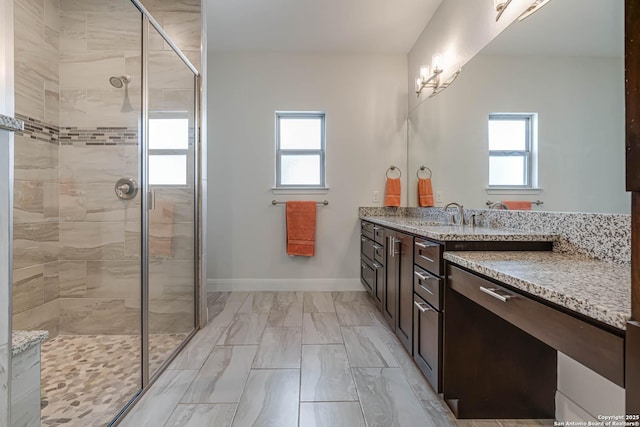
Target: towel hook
423	168
392	168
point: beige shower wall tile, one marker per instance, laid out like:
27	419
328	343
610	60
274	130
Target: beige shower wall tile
44	317
28	288
90	70
132	316
29	23
73	278
180	100
171	315
155	6
113	30
73	31
92	316
91	164
95	202
171	279
51	103
51	281
28	202
167	71
41	62
97	6
35	244
73	107
105	108
184	29
52	14
171	241
133	240
113	279
52	38
179	201
29	95
35	160
92	241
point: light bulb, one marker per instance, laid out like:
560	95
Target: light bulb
499	4
424	72
418	84
436	62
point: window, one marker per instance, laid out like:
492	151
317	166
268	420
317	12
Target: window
511	150
300	150
168	150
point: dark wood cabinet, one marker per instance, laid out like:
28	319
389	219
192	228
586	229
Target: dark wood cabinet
392	277
427	341
404	326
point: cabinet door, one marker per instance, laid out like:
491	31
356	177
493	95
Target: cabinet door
426	337
392	269
367	275
404	328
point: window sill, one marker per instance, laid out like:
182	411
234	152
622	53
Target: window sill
300	190
498	190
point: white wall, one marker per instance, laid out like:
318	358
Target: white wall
580	130
364	97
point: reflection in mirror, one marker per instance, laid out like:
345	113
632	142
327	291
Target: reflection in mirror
537	115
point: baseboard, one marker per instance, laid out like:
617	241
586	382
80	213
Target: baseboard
309	285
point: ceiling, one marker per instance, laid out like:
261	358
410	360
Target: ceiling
566	27
363	26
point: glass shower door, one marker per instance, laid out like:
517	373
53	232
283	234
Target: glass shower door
171	216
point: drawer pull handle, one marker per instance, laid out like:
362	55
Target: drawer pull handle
421	276
427	290
426	258
426	245
377	266
423	307
493	293
376	228
377	246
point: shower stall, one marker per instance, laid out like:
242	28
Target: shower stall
105	197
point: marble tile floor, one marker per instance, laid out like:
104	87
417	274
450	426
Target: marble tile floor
87	379
296	359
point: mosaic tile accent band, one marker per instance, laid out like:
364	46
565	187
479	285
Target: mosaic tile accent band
39	130
98	136
9	123
601	236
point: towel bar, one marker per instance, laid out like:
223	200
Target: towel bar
274	202
422	169
537	203
393	168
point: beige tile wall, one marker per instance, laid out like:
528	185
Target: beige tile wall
77	246
36	231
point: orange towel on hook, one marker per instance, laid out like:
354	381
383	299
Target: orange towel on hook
392	193
516	205
301	228
425	192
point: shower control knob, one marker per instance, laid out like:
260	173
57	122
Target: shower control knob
126	188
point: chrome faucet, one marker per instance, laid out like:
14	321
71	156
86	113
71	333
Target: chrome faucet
460	211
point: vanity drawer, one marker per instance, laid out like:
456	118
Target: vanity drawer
378	234
378	249
427	341
366	248
428	286
367	276
427	255
366	229
599	350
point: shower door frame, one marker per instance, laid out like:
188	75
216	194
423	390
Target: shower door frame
149	378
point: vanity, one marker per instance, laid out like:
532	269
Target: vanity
496	320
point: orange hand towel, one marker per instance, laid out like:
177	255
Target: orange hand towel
425	192
515	205
392	194
301	228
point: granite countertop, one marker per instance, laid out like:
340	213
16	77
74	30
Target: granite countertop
598	289
436	231
22	341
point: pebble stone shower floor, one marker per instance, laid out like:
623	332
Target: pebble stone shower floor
87	379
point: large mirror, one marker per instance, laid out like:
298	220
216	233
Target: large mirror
542	105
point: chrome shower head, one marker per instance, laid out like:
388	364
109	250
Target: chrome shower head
119	81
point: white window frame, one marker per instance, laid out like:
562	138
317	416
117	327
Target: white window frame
530	168
322	151
172	151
